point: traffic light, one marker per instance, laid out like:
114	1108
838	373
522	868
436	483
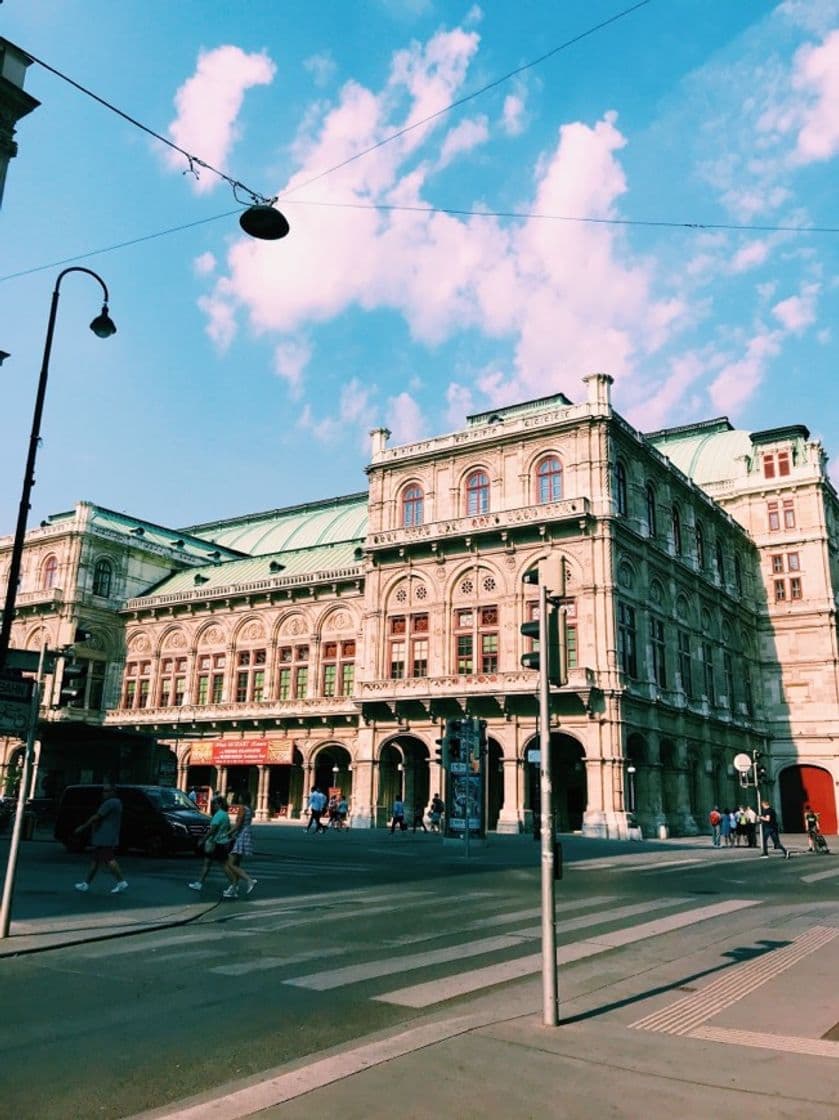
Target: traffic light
744	779
762	773
454	727
72	685
557	667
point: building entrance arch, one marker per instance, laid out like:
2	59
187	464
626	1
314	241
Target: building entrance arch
403	771
568	778
332	770
807	785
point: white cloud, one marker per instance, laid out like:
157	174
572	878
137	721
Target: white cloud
322	67
463	138
204	264
750	256
405	419
816	74
798	312
739	379
512	115
290	359
208	106
459	405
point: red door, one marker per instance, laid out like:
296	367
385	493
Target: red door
807	785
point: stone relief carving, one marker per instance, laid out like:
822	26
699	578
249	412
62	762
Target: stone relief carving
139	644
176	640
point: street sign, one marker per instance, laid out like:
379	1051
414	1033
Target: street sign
535	756
459	767
743	763
14	717
19	689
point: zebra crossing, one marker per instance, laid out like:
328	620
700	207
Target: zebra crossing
489	938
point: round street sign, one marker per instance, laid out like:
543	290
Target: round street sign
743	763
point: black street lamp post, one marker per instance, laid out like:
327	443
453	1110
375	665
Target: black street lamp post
103	327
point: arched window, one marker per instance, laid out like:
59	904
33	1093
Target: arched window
102	577
676	520
549	480
651	523
720	564
700	546
477	493
49	571
620	488
412	505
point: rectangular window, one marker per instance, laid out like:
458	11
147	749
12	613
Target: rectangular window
218	688
774	516
301	683
258	690
777	563
780	591
658	652
684	663
96	678
241	688
464	653
783	463
768	466
795	588
329	679
728	670
489	653
347	678
789	513
130	694
708	672
419	660
627	654
143	701
203	690
397	660
285	684
793	564
571	647
180	691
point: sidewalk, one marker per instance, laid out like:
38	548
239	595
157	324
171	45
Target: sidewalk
726	1030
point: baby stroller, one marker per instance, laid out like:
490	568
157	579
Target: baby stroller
819	843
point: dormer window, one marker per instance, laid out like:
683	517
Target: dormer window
776	464
477	493
549	480
412	505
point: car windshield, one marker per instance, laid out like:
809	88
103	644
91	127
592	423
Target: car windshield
169	799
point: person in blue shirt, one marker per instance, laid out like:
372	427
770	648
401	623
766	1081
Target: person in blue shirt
105	824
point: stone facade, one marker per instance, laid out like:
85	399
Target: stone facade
327	644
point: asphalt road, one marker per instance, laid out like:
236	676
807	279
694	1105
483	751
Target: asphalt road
345	934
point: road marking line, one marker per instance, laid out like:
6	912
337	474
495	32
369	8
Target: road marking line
787	1044
601	918
506	918
266	1093
820	875
686	1014
373	970
263	963
435	991
150	943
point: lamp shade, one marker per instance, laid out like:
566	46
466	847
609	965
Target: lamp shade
103	325
264	222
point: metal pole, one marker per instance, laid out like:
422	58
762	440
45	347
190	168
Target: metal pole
23	788
550	990
29	472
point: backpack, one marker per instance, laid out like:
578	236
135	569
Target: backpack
714	817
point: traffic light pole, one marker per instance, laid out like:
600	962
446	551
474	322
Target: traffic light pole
550	989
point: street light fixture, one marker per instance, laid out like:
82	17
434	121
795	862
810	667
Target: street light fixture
103	327
630	772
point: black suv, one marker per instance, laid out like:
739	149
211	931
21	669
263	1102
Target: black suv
158	820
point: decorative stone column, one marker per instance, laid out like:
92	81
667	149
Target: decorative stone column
648	791
263	781
511	816
363	797
683	823
221	777
183	770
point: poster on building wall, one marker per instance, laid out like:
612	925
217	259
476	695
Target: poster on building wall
464	803
241	752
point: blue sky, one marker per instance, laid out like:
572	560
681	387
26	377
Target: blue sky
246	375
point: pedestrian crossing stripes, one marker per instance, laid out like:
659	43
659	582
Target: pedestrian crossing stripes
466	982
735	984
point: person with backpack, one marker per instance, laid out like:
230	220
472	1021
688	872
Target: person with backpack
715	821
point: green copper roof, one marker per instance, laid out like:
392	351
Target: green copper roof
263	570
297	527
511	411
706	452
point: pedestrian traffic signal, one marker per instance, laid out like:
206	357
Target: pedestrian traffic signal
454	728
762	773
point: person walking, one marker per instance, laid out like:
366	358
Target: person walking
216	844
732	827
435	815
715	821
419	814
242	846
317	803
725	827
751	827
105	824
398	816
769	820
